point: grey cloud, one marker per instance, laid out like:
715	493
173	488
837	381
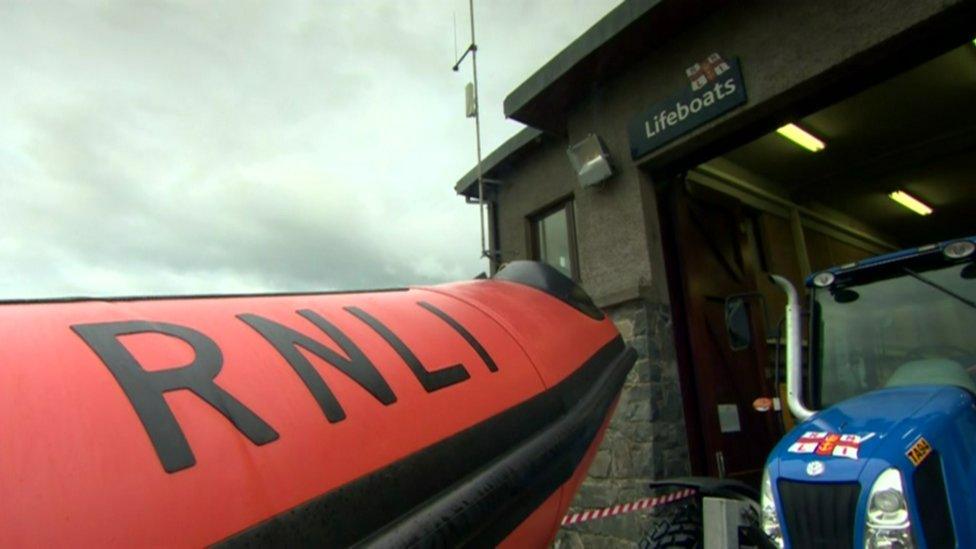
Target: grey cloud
184	147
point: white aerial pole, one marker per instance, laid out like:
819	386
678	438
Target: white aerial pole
473	50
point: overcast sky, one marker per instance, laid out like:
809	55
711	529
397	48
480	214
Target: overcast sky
187	147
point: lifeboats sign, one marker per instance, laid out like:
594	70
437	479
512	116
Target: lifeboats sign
716	87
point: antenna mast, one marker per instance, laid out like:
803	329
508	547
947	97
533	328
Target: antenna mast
473	50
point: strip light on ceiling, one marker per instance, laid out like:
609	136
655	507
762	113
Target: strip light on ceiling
910	202
801	137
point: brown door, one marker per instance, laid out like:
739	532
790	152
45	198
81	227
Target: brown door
714	262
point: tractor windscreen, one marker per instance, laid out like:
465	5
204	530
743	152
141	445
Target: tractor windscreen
911	326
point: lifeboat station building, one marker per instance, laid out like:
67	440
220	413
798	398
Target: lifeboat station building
679	152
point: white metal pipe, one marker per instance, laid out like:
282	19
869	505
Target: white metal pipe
477	131
794	350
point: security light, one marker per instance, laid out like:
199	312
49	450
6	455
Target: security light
910	202
801	137
590	161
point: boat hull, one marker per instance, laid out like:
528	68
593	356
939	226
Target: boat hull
462	413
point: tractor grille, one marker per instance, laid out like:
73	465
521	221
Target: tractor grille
932	504
819	515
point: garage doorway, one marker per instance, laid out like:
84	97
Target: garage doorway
772	205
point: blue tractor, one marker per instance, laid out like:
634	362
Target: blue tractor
883	383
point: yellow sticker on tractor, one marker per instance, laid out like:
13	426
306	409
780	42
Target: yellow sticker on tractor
919	451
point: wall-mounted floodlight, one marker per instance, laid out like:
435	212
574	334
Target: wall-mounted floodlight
910	202
590	160
801	137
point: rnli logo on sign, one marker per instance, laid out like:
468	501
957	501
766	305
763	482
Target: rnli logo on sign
703	72
919	451
823	443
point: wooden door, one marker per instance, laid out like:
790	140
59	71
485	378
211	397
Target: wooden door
714	261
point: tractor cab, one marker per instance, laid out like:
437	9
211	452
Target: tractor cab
894	322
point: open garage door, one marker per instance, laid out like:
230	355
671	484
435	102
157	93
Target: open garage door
778	205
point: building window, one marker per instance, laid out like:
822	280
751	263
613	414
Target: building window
554	238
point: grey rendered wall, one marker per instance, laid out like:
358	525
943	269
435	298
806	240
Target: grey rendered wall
610	221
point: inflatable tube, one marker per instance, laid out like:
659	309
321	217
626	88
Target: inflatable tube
457	414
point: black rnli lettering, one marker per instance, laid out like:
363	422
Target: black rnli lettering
431	381
463	332
286	341
145	389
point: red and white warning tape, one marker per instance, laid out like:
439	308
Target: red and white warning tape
623	508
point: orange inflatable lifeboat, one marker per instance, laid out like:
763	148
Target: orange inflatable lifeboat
465	413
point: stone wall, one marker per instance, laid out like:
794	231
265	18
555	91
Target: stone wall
646	437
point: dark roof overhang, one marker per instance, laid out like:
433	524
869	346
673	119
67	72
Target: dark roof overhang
624	35
504	155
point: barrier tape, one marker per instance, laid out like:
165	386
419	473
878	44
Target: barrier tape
623	508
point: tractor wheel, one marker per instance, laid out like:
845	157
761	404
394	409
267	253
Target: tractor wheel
679	525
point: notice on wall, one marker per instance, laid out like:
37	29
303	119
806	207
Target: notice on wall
715	87
728	418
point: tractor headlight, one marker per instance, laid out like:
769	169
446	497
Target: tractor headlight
769	516
888	524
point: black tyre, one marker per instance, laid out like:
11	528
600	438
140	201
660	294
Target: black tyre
678	525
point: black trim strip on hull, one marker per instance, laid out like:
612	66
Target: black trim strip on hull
472	488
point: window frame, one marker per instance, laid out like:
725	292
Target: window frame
534	220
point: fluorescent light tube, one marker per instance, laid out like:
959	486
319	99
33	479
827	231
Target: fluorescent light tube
799	136
910	202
